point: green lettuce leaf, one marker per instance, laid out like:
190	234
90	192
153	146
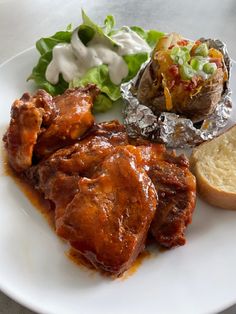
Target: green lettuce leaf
99	31
38	75
109	23
86	32
97	75
139	31
151	36
134	63
45	45
109	91
100	76
102	103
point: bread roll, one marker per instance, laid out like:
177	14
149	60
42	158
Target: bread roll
214	165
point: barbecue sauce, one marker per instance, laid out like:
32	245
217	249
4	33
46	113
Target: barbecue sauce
45	208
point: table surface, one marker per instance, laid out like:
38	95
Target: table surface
23	22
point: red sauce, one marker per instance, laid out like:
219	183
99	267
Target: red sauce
43	206
75	257
36	198
78	259
138	262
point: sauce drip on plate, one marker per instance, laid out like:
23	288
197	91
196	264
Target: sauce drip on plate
36	199
46	209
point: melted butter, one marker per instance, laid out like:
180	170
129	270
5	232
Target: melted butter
75	59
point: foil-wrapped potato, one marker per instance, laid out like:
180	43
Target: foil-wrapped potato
183	77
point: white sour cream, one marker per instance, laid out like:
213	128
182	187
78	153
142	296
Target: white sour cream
130	42
75	59
204	75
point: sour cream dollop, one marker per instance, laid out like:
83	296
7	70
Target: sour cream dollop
75	59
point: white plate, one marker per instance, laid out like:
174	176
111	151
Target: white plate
199	277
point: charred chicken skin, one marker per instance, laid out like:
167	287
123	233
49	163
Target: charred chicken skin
41	124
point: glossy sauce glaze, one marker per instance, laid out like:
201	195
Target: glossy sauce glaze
46	209
35	198
75	257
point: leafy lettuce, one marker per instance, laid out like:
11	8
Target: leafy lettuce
98	75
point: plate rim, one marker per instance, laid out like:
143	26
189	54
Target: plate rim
23	300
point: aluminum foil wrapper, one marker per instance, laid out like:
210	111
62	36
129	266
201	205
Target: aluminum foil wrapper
170	128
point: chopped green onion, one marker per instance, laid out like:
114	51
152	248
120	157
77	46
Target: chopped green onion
189	46
175	51
197	63
209	68
201	50
186	72
180	55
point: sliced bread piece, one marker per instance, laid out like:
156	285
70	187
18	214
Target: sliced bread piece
214	165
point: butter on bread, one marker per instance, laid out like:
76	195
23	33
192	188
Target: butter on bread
214	165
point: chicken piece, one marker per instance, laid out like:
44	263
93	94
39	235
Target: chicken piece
73	118
112	130
62	170
176	187
41	124
27	116
108	219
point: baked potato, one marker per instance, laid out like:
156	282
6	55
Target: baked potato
183	77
